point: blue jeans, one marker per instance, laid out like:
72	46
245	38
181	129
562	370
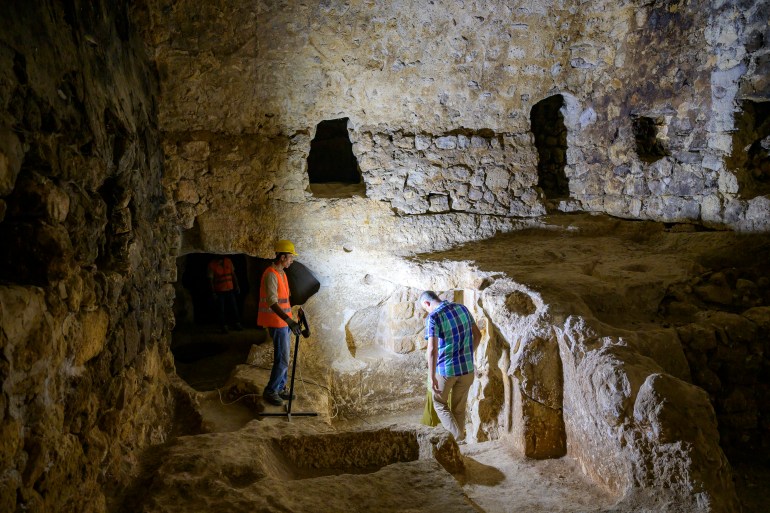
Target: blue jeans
281	340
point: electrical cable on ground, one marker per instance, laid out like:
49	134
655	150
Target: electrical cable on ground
335	406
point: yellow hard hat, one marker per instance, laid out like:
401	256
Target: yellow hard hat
285	246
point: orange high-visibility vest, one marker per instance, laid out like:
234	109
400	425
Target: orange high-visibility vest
223	275
265	316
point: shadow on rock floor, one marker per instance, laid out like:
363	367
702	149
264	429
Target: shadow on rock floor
205	358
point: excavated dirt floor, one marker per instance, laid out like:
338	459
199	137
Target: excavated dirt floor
247	463
495	478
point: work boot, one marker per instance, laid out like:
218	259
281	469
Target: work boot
285	395
273	398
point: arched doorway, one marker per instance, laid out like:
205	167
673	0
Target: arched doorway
547	122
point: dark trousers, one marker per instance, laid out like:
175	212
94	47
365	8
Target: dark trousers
227	298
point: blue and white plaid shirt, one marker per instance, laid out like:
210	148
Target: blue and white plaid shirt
452	324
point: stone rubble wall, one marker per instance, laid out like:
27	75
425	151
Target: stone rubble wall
691	90
419	81
416	174
737	37
476	172
86	258
212	172
647	76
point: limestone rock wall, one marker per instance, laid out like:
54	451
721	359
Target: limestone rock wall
419	81
480	172
628	418
631	338
86	257
207	171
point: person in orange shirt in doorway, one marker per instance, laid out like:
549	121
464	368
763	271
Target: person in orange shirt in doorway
224	286
275	314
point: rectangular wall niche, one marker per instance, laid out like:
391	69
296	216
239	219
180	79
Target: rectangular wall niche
331	165
649	146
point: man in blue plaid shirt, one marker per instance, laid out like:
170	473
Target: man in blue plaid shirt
452	337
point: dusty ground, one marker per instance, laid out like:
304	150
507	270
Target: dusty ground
494	479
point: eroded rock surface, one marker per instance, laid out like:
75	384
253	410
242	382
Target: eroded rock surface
268	466
117	153
626	381
86	257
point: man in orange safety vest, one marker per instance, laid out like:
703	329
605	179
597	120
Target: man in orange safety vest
275	314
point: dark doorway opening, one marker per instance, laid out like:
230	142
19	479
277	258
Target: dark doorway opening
649	147
750	158
201	309
194	305
551	142
331	165
204	355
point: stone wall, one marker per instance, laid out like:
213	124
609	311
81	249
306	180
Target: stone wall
468	171
483	173
648	77
206	171
738	37
417	80
86	257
